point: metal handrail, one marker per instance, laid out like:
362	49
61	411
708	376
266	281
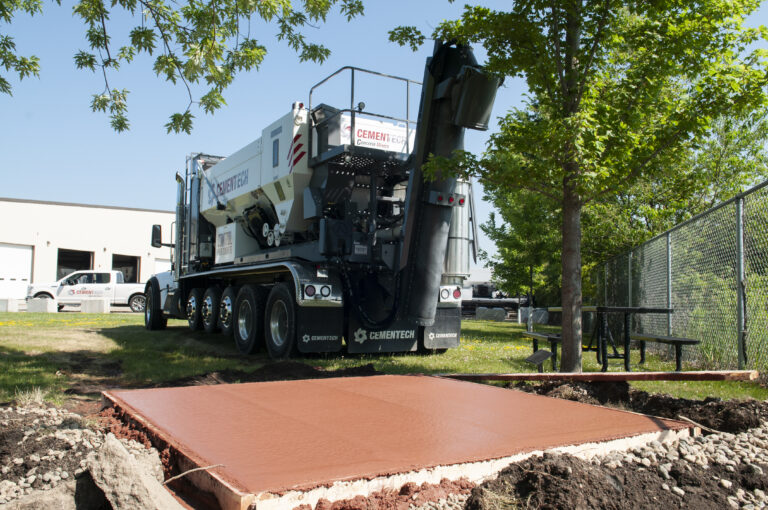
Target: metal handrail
353	111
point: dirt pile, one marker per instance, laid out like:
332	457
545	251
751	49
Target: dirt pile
709	472
724	415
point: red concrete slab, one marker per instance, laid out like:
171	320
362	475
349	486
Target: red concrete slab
277	436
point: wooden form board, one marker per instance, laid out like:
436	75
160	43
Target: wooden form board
709	375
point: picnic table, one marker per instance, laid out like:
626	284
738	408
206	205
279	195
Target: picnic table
604	336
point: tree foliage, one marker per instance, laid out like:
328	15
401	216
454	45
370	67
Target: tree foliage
730	159
194	43
616	91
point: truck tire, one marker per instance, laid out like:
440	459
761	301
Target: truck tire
194	302
209	309
153	313
137	302
247	319
226	317
280	322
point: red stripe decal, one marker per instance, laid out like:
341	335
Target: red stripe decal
298	148
298	158
296	138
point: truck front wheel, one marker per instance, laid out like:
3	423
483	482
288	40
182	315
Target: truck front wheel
194	317
153	313
280	322
247	320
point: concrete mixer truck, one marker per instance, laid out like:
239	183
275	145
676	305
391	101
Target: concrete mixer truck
324	233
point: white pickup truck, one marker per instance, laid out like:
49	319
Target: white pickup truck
74	287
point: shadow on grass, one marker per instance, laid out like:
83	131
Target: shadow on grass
51	371
141	358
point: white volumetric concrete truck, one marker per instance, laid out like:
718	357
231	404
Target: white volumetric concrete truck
323	233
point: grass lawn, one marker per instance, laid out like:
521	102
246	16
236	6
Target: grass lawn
56	351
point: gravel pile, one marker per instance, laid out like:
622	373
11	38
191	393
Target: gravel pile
452	502
43	447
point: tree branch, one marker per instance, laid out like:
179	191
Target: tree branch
168	50
593	50
556	40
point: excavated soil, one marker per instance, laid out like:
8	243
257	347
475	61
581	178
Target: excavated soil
723	415
565	482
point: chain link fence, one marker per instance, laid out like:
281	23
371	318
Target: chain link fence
712	271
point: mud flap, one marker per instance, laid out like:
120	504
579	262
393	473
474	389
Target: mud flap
445	332
402	336
319	329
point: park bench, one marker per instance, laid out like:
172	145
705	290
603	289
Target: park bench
552	338
670	340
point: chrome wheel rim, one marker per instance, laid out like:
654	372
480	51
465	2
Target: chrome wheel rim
207	309
278	323
148	308
244	320
191	307
139	304
225	311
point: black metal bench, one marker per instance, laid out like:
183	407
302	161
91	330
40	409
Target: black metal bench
552	338
670	340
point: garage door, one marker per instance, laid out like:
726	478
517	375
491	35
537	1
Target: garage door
15	270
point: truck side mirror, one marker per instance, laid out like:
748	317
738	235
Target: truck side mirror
157	236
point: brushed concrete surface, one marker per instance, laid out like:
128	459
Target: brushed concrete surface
295	435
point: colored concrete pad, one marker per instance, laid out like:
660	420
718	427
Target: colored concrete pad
295	435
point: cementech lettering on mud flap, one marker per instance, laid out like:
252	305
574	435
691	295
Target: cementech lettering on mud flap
361	335
319	338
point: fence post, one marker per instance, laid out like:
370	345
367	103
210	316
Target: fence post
669	283
740	281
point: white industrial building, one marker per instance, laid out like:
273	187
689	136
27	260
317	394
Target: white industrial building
44	241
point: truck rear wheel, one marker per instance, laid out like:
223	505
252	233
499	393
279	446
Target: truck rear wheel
280	322
194	302
227	310
209	309
153	312
247	319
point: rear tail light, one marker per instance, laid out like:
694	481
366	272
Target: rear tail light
456	293
444	294
309	290
325	291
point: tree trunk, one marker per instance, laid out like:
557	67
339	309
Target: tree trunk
571	296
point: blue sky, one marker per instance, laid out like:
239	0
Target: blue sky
54	148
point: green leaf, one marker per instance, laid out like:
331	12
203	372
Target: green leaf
180	122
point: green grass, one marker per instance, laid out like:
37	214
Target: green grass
53	352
